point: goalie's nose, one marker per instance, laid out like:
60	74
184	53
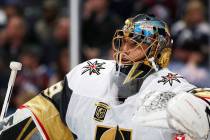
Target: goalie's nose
127	46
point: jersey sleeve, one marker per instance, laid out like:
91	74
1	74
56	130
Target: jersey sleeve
59	95
44	115
49	108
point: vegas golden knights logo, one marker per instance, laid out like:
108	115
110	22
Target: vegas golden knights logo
101	109
112	133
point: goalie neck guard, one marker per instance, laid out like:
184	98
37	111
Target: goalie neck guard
148	46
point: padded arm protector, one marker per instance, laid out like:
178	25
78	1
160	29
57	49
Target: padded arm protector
46	111
49	119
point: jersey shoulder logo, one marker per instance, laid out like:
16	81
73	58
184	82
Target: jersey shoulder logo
170	78
94	67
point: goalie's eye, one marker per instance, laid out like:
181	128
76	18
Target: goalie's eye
129	42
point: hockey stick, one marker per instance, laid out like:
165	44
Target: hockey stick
14	66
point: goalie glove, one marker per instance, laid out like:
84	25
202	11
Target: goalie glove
187	114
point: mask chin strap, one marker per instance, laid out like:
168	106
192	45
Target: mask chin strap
154	66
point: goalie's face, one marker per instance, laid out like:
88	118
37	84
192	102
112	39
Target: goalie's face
130	52
142	44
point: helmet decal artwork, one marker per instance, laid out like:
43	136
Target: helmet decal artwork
147	35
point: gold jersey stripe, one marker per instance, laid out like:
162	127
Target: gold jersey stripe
48	115
28	137
24	129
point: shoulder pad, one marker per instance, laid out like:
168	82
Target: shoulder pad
53	90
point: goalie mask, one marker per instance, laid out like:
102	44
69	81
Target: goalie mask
141	45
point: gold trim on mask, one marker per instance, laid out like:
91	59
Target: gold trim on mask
128	28
164	59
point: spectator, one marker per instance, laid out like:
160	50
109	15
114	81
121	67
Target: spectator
24	94
97	28
60	40
33	72
191	33
61	32
15	37
19	31
191	44
164	9
123	8
62	66
44	27
31	79
13	8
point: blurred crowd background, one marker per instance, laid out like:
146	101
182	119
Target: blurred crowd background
36	33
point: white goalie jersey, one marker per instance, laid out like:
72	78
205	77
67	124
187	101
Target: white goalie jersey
94	112
85	106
